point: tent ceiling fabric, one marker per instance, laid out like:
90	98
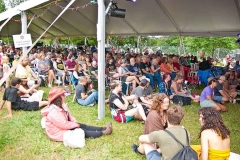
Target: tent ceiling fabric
144	17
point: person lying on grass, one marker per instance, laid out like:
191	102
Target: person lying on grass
168	146
215	136
119	105
157	117
13	100
58	120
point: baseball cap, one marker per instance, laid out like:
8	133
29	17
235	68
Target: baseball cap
144	82
210	78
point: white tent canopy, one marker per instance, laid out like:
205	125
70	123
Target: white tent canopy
144	17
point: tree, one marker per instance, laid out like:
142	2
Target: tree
2	6
14	3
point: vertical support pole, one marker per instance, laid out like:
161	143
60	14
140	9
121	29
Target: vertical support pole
85	41
108	41
68	42
101	59
24	29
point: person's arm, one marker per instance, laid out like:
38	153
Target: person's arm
144	139
94	73
26	91
204	146
84	95
75	75
42	66
120	105
174	86
154	70
55	67
146	101
59	120
120	71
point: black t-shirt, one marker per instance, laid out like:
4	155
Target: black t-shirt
113	97
94	69
133	69
218	88
144	66
12	96
111	66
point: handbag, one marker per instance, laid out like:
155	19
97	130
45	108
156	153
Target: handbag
118	115
74	138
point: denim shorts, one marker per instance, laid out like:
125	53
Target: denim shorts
154	155
217	98
207	103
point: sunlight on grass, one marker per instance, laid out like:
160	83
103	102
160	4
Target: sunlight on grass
23	138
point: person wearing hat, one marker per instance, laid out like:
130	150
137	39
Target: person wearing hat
220	95
13	100
58	119
206	97
139	91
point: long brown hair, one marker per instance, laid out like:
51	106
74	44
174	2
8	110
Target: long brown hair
57	102
158	101
213	120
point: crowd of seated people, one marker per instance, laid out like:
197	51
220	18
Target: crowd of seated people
144	72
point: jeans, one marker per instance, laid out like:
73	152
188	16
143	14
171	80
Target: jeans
89	100
158	77
153	155
173	75
150	76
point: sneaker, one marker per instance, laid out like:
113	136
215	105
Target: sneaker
57	82
49	86
91	104
234	101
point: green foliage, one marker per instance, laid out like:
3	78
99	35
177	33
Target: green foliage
14	3
2	6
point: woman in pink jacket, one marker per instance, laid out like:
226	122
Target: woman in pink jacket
58	119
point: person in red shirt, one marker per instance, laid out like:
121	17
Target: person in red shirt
70	63
176	64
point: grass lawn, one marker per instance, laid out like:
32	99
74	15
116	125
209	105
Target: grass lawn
22	137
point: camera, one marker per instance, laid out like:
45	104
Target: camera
35	81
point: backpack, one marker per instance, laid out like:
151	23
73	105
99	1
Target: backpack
181	100
187	153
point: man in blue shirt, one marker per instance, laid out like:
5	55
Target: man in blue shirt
237	67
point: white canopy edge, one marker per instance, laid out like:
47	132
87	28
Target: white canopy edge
21	7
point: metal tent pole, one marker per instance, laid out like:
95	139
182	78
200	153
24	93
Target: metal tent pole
101	59
24	30
22	57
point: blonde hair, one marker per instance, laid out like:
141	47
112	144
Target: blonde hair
5	59
178	76
114	84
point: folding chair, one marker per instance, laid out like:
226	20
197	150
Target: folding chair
193	79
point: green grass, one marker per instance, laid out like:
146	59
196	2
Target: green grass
22	137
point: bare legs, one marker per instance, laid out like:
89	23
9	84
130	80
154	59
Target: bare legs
136	111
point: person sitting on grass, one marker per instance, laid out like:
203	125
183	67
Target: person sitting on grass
119	105
206	97
168	146
164	86
13	100
215	136
177	88
220	94
83	97
58	119
139	92
157	117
